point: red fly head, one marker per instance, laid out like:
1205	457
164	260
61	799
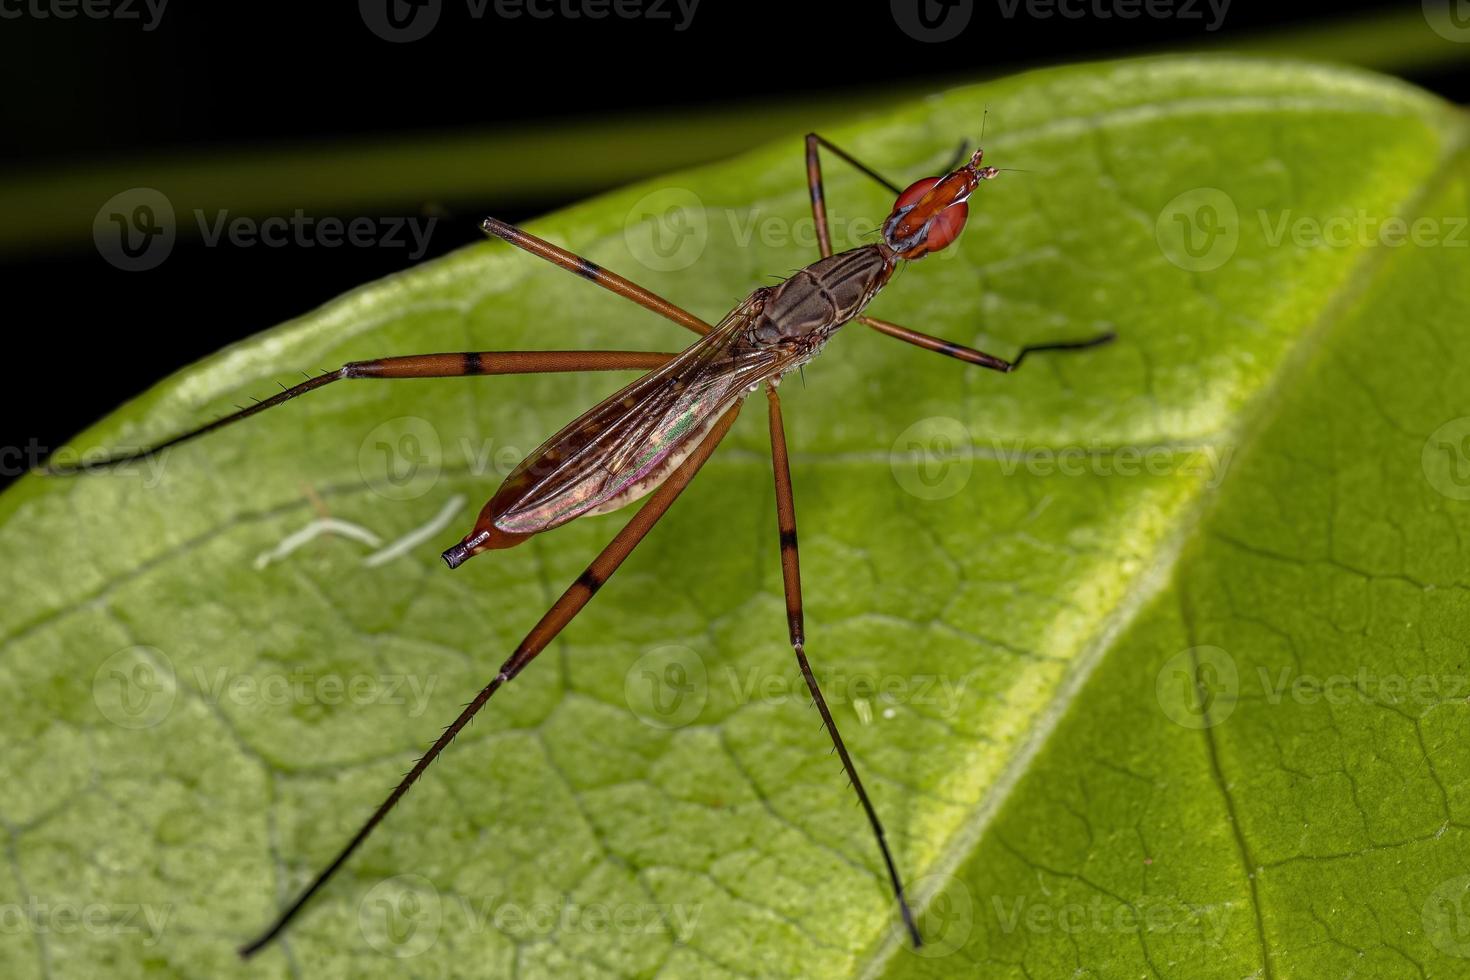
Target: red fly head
931	212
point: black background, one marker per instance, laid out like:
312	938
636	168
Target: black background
83	336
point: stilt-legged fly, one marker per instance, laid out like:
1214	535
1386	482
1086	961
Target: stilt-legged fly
650	438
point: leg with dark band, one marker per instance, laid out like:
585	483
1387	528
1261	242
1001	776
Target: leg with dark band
791	577
593	272
969	354
818	193
457	365
557	617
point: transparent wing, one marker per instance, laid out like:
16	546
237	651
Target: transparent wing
622	447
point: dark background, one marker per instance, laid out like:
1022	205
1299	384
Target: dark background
84	336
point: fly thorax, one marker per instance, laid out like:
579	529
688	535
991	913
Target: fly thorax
823	296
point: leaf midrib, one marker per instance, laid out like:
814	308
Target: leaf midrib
1252	420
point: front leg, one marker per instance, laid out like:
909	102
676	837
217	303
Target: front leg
969	354
814	184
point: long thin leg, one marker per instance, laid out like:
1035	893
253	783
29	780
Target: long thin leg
814	140
814	185
462	364
590	270
557	617
969	354
791	577
818	193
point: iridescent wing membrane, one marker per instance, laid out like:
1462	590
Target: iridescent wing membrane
624	446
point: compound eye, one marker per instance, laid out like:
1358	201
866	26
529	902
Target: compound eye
946	226
915	191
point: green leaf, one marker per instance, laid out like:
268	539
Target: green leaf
1153	657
